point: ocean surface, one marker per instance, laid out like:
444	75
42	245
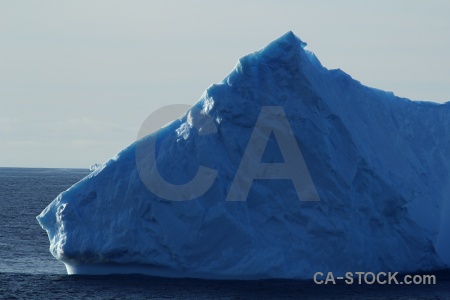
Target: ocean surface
29	271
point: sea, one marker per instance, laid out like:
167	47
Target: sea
29	271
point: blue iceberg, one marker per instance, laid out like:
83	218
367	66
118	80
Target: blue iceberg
372	191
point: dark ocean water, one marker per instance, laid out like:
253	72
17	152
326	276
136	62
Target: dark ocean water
29	271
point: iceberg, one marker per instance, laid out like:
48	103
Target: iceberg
283	169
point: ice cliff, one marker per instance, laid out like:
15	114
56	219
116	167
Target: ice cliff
379	166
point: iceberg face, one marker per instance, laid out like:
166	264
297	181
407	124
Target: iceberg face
378	168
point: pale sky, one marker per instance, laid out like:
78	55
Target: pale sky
78	78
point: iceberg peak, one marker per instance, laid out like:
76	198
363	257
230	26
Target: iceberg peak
291	39
285	48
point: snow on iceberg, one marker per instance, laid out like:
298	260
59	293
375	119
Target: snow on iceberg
379	166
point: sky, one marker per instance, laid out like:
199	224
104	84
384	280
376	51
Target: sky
78	78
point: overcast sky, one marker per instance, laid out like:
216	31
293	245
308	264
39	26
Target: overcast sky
77	78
